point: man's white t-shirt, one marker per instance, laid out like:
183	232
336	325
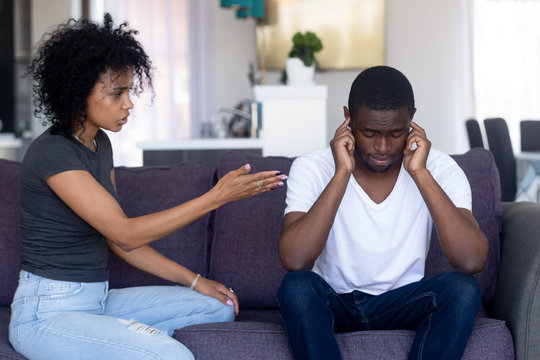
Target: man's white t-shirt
374	247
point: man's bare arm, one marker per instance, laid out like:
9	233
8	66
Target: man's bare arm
460	237
304	235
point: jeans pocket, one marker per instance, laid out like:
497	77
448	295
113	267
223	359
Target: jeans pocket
16	320
56	297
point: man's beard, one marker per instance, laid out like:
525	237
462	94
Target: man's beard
365	160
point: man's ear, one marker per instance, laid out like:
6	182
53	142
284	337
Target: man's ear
346	113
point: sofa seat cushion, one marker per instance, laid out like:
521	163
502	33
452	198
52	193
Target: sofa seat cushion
490	339
244	248
259	315
149	189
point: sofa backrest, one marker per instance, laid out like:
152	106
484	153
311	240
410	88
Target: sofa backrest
479	166
244	248
144	190
140	191
10	232
236	244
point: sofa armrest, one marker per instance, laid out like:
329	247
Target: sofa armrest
517	295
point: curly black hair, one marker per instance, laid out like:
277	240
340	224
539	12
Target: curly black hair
69	62
381	88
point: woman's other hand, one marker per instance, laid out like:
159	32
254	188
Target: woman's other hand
217	290
239	184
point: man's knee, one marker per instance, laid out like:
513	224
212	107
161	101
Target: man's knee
297	282
464	290
469	289
298	287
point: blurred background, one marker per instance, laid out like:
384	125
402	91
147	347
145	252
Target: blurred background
464	58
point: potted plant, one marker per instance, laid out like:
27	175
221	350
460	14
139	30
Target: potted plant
301	63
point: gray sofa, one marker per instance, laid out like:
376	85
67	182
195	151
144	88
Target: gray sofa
236	245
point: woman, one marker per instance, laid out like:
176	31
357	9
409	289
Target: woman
62	309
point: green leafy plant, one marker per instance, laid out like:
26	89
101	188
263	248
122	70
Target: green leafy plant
305	46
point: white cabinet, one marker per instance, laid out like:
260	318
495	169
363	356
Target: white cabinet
293	118
293	123
10	147
208	150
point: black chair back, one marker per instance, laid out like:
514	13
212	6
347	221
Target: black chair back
474	133
500	146
530	135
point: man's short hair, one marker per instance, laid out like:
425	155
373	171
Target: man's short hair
381	88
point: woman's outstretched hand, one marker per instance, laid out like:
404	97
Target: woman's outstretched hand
239	184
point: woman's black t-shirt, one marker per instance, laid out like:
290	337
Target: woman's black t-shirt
57	243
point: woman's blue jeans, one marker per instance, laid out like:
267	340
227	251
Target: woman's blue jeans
440	309
72	320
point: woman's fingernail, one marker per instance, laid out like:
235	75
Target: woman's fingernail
284	177
247	167
280	183
229	302
278	173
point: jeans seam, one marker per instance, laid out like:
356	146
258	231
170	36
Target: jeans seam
153	305
207	300
286	335
327	294
18	326
365	319
424	336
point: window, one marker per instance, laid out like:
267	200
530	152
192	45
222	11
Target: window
507	61
167	31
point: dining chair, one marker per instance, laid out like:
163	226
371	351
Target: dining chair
530	135
474	133
500	145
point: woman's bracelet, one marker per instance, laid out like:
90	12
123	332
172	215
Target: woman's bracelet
194	282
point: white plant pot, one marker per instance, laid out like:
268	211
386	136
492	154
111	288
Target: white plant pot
298	73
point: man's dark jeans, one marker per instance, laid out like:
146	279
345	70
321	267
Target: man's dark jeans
440	309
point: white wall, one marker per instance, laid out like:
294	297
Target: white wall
235	46
424	39
427	40
45	16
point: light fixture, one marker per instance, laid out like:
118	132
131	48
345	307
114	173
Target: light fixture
246	8
236	4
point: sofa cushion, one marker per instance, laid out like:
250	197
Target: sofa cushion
145	190
244	248
10	233
479	166
490	339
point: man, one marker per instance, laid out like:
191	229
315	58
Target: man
357	228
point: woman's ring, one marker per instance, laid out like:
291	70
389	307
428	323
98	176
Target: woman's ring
259	184
231	290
